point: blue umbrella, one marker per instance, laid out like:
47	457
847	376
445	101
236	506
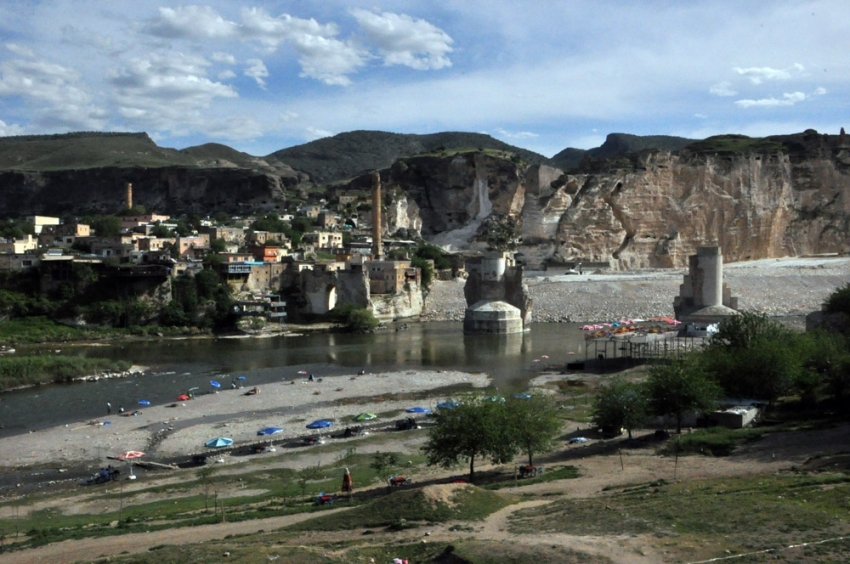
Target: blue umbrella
242	378
270	431
450	404
144	402
214	384
418	410
320	424
219	442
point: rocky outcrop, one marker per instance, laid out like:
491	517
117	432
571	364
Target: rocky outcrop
649	210
171	190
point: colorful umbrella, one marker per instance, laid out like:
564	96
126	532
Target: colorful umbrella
214	384
320	424
182	397
418	410
144	402
302	372
219	442
241	377
130	454
270	431
365	417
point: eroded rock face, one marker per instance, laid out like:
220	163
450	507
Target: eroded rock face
167	189
654	212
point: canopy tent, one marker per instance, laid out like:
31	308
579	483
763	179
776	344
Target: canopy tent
270	430
219	442
418	409
320	424
365	417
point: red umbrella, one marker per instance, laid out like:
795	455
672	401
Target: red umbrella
183	397
346	481
130	455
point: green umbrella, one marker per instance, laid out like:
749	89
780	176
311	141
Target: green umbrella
365	417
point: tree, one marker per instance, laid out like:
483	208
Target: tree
355	318
838	301
473	428
104	225
679	387
752	356
533	424
383	464
161	231
426	270
620	405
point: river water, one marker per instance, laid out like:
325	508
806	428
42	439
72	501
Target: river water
178	365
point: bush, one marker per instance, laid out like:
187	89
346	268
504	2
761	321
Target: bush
355	318
839	301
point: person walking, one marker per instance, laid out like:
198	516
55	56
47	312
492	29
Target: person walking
108	408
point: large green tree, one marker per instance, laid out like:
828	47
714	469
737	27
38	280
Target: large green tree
533	423
752	356
474	428
619	405
680	386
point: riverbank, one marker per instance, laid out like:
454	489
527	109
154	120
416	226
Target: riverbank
784	287
182	428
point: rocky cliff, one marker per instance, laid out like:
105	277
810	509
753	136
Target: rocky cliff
651	209
171	190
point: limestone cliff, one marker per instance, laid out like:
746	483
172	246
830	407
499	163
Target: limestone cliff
651	209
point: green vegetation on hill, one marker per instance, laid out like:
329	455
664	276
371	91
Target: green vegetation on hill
345	155
82	150
618	144
734	144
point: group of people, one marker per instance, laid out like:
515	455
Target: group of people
109	408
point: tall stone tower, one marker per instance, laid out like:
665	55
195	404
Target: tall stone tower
377	244
703	296
129	196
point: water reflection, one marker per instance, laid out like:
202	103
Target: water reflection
178	365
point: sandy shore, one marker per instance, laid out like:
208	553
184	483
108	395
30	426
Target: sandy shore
163	432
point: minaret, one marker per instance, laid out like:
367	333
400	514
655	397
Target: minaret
377	245
129	196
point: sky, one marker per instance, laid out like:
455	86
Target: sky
539	74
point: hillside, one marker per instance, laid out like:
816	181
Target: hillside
343	156
617	144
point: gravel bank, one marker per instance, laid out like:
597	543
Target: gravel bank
777	287
163	431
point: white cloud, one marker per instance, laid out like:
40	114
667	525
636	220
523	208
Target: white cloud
20	50
53	91
166	91
788	99
515	134
226	75
819	91
701	116
191	22
314	133
757	75
722	89
7	130
258	71
403	40
225	58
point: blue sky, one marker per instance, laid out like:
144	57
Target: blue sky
540	74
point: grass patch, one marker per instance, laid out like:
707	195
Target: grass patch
412	505
550	475
736	514
17	371
714	441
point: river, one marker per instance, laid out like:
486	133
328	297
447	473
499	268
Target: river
177	365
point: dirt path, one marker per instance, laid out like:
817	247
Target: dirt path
87	549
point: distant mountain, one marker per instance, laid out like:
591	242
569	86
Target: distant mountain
617	144
347	154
